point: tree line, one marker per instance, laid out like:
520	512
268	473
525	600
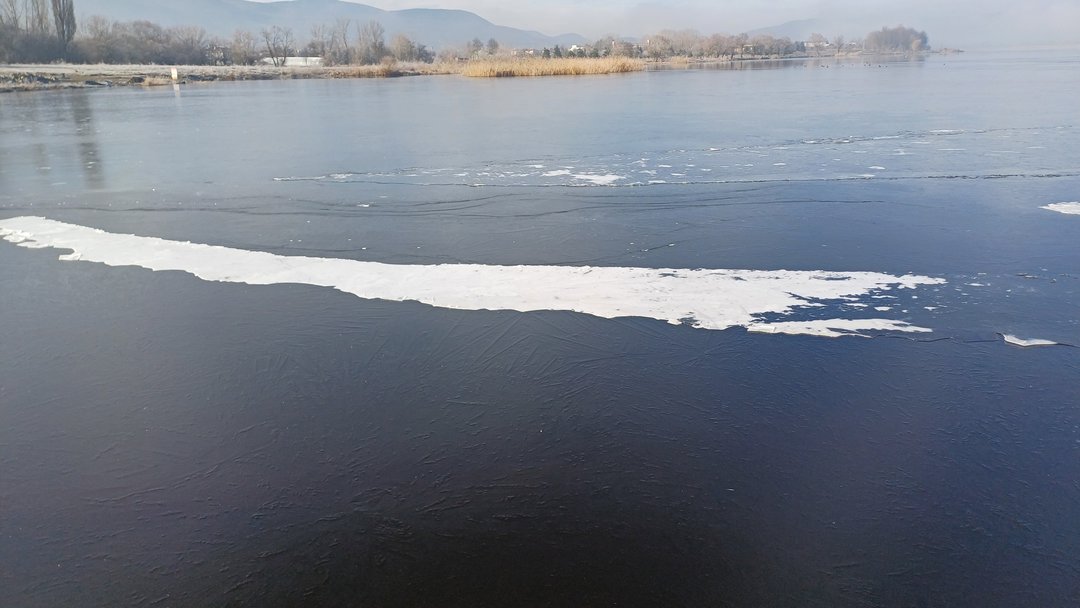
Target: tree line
45	30
41	31
897	39
669	44
36	30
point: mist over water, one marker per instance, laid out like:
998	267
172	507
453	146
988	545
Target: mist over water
170	440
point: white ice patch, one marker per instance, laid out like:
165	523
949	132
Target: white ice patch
599	180
708	299
1072	208
556	173
1011	339
835	328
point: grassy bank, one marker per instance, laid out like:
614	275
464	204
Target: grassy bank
72	76
496	68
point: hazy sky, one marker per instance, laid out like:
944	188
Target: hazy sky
971	23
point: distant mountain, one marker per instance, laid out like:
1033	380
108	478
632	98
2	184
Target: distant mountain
437	28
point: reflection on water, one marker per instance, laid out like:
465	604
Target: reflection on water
56	137
82	116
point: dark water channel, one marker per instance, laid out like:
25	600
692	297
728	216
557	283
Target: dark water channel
167	441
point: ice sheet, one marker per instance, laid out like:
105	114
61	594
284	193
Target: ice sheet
1014	340
703	298
1072	208
835	328
599	180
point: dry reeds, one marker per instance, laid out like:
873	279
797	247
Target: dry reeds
386	69
154	81
361	71
536	66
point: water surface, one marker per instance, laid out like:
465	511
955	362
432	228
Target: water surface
171	441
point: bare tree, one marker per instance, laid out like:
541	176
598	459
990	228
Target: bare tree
279	41
64	19
684	42
403	49
322	40
97	40
658	46
492	46
371	42
190	45
739	42
10	13
343	54
474	47
242	49
36	15
839	42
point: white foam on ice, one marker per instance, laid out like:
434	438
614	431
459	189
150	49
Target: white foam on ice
1011	339
1072	208
708	299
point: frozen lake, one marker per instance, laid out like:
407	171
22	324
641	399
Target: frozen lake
800	335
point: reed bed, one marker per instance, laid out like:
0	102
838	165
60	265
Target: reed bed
386	69
535	66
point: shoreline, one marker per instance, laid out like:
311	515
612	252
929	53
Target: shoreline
46	77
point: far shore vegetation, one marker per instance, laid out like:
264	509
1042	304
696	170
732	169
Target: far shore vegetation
99	51
538	66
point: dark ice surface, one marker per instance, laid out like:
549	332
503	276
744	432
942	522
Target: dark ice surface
166	441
